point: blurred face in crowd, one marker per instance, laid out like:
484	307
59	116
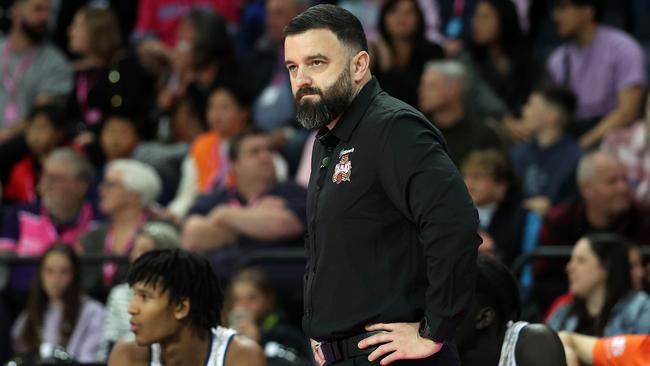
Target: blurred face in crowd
185	44
537	113
247	298
119	138
436	91
637	270
278	14
607	191
402	20
570	19
78	35
33	16
224	114
113	195
319	67
485	24
185	123
60	187
56	275
153	317
42	136
255	160
142	244
585	272
483	187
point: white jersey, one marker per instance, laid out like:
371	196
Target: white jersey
510	343
219	339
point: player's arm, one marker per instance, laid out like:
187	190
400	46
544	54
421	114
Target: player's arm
581	345
537	337
128	353
243	351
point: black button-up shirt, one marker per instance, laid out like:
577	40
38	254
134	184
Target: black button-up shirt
392	231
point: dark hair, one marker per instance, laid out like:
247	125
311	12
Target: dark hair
129	118
213	42
341	22
612	251
185	276
104	33
38	301
597	5
511	38
497	288
53	113
496	163
388	7
254	276
235	142
560	98
237	90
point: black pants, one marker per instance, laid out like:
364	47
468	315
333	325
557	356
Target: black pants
447	356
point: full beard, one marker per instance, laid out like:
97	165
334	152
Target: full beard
332	103
36	33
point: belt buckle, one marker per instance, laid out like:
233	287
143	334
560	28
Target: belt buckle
331	352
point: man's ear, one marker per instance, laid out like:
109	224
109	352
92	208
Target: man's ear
485	317
359	66
182	310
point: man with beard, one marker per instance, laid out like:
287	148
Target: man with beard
392	231
32	71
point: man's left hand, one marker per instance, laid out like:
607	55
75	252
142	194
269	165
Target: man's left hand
402	341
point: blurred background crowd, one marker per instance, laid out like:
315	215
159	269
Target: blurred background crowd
127	126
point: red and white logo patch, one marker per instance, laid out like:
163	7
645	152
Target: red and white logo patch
343	170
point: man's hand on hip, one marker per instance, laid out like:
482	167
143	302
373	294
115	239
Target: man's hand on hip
402	341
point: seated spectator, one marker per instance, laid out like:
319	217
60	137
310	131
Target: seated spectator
249	308
630	146
499	52
441	100
57	313
35	72
494	189
603	66
107	79
491	335
547	162
606	205
402	50
622	350
44	131
120	137
152	236
257	212
127	192
206	166
605	303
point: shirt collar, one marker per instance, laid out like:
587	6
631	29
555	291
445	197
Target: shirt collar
352	115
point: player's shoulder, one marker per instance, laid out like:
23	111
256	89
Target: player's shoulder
128	353
244	351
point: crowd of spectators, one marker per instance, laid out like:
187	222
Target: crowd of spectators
127	126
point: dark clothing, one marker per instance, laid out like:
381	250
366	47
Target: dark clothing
467	135
392	231
507	229
548	171
402	82
564	225
225	260
448	355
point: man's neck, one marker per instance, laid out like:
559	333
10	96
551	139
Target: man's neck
185	349
449	116
599	219
586	35
18	41
126	217
254	188
596	301
63	215
547	137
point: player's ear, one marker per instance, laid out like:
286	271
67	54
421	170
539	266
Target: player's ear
485	317
182	309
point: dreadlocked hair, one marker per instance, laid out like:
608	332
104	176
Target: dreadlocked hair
185	276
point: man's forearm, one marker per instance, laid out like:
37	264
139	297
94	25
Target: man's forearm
201	234
263	223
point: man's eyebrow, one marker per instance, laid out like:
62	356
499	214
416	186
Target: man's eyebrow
318	56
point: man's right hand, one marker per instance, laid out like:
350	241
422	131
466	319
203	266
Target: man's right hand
318	353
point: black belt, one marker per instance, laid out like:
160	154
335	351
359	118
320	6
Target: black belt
346	348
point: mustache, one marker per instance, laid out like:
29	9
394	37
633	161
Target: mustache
307	91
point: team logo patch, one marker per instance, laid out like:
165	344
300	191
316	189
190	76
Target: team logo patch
343	170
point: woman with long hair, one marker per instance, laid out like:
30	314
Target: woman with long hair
58	315
402	49
605	302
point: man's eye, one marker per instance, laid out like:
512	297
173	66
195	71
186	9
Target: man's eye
291	67
317	63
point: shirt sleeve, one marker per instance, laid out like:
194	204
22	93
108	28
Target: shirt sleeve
420	179
630	66
555	65
629	350
56	76
93	322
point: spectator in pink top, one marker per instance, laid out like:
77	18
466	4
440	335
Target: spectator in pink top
603	66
